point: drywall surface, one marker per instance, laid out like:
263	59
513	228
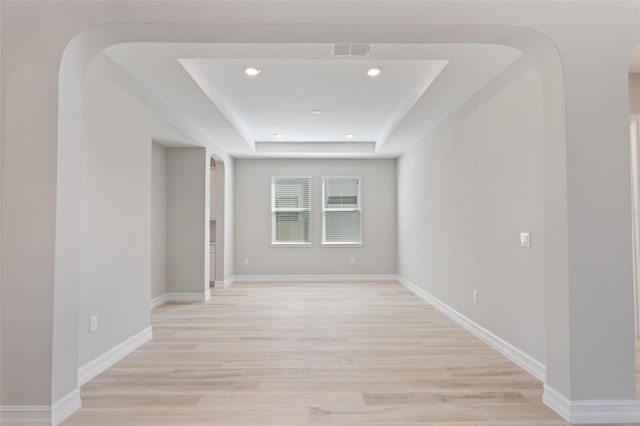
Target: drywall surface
253	219
158	220
115	228
187	220
464	195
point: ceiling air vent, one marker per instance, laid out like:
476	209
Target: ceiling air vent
350	49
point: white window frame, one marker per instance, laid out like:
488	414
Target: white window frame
325	209
274	210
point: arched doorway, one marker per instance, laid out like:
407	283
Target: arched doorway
543	54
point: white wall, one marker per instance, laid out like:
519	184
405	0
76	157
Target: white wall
634	93
187	220
464	195
115	217
253	219
158	220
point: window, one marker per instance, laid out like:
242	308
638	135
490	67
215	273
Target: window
291	211
341	211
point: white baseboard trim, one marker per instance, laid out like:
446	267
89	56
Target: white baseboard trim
20	415
106	360
522	359
224	284
65	406
189	297
180	297
159	301
45	415
312	278
592	411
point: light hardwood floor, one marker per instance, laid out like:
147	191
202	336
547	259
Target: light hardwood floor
312	353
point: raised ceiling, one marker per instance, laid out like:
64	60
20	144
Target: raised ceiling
271	114
278	104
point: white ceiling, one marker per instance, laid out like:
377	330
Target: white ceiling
420	85
281	98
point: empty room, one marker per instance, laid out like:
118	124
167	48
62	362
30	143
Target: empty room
319	212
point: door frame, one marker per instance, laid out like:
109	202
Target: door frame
634	136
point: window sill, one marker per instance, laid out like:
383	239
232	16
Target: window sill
289	245
346	245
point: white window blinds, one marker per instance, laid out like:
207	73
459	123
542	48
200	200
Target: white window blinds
291	210
341	210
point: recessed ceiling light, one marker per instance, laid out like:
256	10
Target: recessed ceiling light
278	135
350	135
374	72
315	111
252	71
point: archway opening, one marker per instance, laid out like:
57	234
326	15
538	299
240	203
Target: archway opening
554	139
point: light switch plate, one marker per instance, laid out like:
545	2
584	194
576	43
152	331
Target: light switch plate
525	239
93	323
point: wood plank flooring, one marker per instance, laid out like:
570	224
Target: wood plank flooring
312	353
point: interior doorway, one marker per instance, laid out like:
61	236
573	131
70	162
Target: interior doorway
216	235
635	230
635	220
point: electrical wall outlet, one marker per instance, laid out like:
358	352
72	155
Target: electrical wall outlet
475	296
353	261
246	262
93	323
